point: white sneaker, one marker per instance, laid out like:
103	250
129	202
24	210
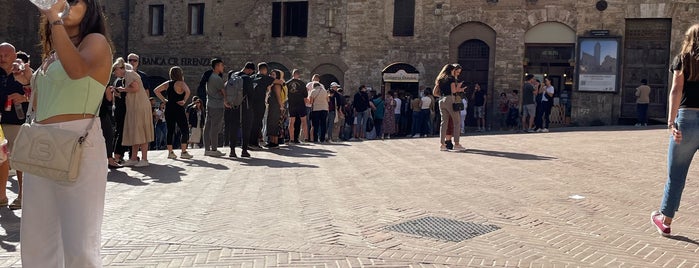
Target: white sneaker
416	136
142	163
459	148
171	155
186	155
637	125
129	163
545	130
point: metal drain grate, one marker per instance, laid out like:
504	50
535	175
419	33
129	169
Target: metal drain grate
443	229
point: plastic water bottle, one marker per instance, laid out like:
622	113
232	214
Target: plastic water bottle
19	110
46	4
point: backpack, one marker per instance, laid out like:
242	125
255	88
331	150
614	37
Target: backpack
201	90
234	87
284	93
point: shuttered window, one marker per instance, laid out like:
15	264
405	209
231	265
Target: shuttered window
290	19
404	18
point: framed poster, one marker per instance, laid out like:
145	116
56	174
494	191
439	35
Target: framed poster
598	64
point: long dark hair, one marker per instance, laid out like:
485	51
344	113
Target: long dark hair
689	55
93	22
444	73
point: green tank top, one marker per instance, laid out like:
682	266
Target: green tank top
58	94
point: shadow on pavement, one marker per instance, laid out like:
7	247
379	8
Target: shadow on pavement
303	151
119	176
153	172
10	222
258	162
683	239
202	163
511	155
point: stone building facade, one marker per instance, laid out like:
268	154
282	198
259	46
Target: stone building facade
357	42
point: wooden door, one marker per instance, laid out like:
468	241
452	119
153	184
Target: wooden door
646	56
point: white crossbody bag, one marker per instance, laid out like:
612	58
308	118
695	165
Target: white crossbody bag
48	151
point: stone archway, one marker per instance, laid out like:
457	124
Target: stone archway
472	45
330	71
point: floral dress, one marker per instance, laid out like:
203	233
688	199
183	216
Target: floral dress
389	120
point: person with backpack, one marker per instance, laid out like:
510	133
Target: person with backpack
239	112
214	109
201	89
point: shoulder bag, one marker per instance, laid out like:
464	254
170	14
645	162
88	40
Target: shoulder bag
48	151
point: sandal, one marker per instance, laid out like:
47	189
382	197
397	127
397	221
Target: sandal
17	204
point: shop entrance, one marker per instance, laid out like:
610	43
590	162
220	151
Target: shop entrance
553	61
402	79
550	52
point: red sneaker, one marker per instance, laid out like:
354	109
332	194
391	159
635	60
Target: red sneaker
656	218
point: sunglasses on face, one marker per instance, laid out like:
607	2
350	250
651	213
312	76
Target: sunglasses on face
133	60
73	2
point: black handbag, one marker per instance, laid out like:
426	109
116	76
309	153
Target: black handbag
457	105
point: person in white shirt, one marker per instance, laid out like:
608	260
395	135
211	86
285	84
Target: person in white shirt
425	111
463	115
547	102
398	102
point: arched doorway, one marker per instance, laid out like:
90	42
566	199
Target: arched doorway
329	73
327	79
474	58
401	78
472	46
550	52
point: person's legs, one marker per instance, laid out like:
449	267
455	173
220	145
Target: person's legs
245	125
378	124
184	130
208	145
455	116
4	176
323	126
547	114
304	134
678	161
119	150
170	132
331	124
643	113
417	123
144	152
532	114
61	223
216	127
444	122
293	128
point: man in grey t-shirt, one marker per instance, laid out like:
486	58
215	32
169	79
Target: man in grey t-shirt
214	109
528	103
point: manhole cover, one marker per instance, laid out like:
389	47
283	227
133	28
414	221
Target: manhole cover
443	229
